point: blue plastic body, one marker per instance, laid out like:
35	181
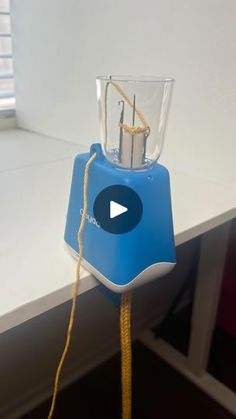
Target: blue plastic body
122	257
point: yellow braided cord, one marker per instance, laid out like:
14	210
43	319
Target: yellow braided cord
126	354
75	287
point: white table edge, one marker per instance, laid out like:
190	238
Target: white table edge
43	303
88	282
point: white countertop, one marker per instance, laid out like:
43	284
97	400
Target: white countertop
36	271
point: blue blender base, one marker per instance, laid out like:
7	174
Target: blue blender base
125	260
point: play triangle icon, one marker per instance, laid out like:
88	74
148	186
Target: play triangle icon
116	209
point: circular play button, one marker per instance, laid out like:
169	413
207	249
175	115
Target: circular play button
118	209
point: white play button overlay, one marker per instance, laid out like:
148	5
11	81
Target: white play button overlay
116	209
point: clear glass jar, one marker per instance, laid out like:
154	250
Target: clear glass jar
133	113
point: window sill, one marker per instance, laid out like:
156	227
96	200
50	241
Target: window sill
7	119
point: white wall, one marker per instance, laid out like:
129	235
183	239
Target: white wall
61	45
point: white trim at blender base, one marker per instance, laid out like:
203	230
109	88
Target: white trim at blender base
154	271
